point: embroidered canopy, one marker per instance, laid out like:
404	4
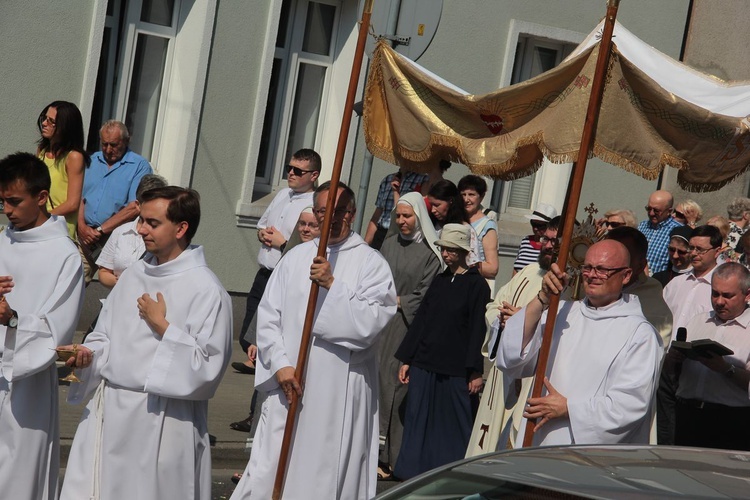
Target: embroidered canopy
655	112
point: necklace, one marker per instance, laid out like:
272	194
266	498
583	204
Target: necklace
458	274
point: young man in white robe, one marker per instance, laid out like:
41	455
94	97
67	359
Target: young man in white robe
334	453
602	374
157	355
41	293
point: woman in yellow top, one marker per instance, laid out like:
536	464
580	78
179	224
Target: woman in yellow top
61	149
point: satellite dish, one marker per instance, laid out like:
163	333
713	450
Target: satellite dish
409	24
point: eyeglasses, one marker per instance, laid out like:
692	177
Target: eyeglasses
700	251
601	272
47	119
297	171
679	251
656	210
613	224
554	241
338	213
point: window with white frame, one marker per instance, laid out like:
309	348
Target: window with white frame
534	55
300	78
137	48
151	73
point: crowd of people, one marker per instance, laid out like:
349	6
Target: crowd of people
159	348
405	323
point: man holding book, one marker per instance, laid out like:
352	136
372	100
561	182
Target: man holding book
713	408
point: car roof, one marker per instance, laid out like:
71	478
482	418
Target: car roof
617	471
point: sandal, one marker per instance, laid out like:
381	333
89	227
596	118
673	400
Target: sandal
384	472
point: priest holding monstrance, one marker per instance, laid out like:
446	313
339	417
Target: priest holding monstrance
602	373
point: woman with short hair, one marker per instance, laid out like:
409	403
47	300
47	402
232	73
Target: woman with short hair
472	189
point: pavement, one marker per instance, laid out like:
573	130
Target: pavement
229	449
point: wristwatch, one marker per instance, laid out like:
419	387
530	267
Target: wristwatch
99	228
13	320
731	371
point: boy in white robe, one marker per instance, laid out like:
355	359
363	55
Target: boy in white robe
41	293
605	357
334	452
160	347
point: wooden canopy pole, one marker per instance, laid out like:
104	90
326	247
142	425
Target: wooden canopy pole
304	348
571	205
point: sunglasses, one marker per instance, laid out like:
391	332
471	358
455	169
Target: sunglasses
297	171
656	210
679	215
614	224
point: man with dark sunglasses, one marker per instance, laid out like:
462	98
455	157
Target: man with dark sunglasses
657	229
275	227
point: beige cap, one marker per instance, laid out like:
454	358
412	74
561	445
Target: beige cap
455	236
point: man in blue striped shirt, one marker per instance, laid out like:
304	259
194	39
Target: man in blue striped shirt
657	229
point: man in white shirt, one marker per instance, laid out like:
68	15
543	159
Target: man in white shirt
275	227
155	358
686	295
334	452
713	409
602	373
41	293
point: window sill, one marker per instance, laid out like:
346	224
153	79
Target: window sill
248	214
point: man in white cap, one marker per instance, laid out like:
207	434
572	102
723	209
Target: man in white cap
528	251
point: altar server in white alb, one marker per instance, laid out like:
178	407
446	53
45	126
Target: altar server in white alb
334	452
155	358
41	292
604	366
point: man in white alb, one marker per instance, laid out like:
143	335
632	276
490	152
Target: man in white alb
41	293
157	354
334	452
602	374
